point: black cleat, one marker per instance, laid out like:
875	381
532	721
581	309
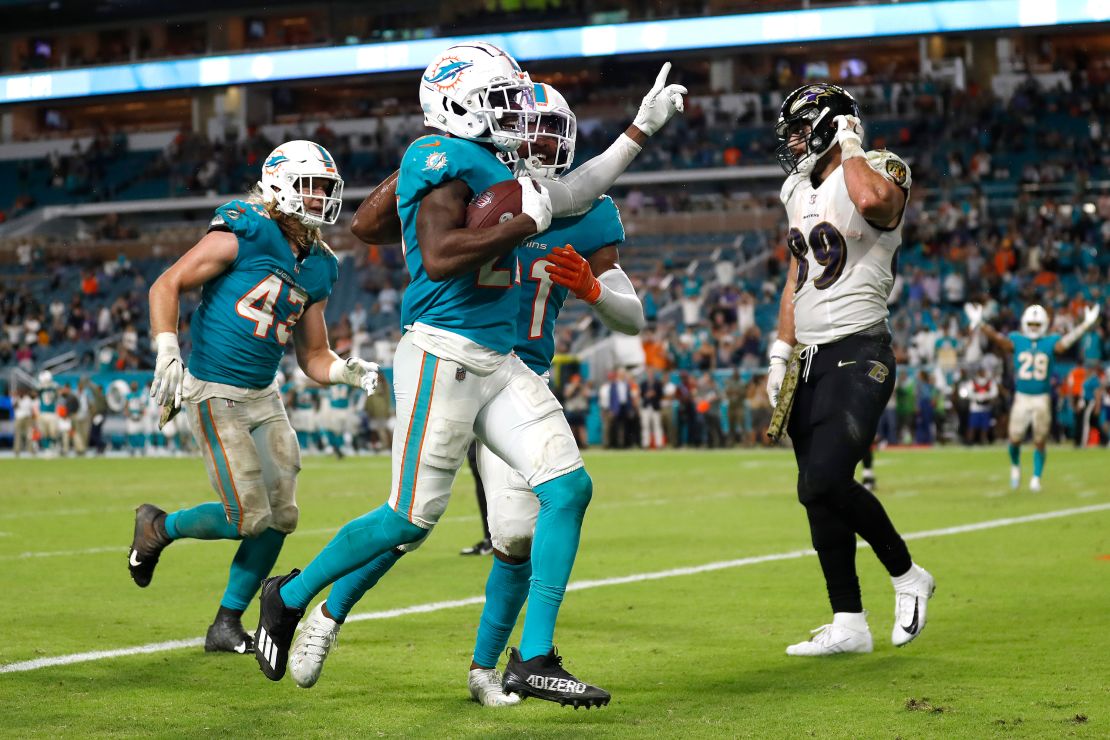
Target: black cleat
226	635
545	678
484	547
276	625
150	539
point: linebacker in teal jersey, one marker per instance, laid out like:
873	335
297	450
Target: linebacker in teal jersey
1034	354
580	252
265	275
453	379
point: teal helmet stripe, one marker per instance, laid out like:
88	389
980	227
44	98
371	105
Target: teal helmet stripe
540	92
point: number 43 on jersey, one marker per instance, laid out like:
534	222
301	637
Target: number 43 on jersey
257	305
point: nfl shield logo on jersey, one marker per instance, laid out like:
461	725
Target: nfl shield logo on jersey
460	374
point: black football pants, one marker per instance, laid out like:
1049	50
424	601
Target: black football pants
832	424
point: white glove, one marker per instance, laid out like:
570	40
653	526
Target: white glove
780	355
169	371
535	201
974	313
355	373
849	134
1090	315
660	104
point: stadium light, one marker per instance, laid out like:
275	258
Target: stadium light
941	16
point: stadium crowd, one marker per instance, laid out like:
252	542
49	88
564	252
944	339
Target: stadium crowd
1004	213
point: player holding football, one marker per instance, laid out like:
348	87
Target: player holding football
265	275
455	376
588	266
1034	354
832	368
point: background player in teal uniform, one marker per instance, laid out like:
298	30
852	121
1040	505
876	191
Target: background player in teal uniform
47	419
452	368
1034	354
337	418
265	275
134	409
568	255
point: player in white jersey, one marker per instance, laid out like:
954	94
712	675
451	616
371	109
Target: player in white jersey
832	367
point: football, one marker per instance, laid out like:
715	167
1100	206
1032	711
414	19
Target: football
496	204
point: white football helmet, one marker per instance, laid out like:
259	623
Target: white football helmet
294	171
478	92
46	379
1034	322
552	153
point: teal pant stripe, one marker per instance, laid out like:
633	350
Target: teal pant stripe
227	488
417	426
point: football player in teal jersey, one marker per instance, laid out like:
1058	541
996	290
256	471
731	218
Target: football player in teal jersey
47	420
134	408
1034	354
337	418
454	376
265	275
579	254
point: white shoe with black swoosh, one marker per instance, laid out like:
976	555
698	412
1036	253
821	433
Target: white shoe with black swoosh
912	592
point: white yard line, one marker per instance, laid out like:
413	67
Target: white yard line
157	647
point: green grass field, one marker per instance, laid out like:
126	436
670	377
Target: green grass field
1015	647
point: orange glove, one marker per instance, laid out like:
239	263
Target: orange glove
571	270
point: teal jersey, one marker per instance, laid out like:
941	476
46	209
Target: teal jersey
246	314
48	400
303	399
339	396
481	306
540	299
135	405
1034	361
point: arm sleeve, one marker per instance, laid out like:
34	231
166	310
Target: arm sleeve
575	192
618	306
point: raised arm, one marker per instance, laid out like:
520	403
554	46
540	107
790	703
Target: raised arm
376	220
974	312
878	199
449	249
576	191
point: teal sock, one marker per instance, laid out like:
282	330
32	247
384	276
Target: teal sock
1038	462
563	503
1015	454
356	544
204	522
346	592
506	590
253	561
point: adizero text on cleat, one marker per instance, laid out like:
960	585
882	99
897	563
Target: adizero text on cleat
226	635
544	677
276	625
147	544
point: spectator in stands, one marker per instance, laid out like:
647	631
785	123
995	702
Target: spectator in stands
651	411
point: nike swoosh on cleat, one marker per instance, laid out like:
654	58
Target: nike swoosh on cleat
135	562
241	648
842	363
912	628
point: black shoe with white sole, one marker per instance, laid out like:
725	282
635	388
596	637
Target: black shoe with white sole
147	545
544	677
483	547
276	625
226	635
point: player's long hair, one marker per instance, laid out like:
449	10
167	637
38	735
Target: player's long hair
304	236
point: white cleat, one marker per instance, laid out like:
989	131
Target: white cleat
848	633
912	592
317	636
1015	477
485	688
1035	484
